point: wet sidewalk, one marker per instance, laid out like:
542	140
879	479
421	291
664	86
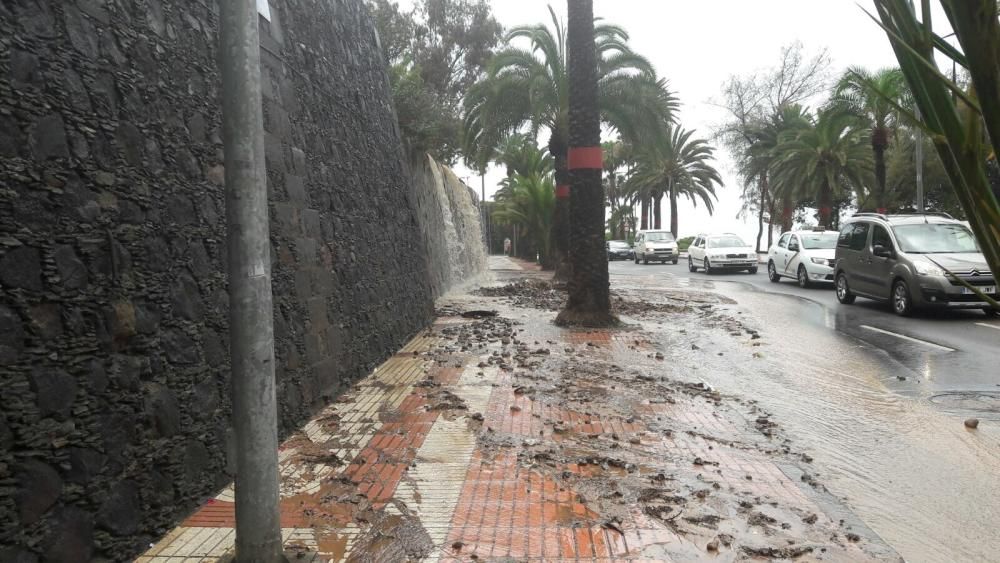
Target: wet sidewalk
505	438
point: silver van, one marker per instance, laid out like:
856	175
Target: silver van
902	259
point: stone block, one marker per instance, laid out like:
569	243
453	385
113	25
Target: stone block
21	268
179	347
48	138
11	335
39	487
131	143
121	513
46	320
54	389
84	465
72	536
162	409
185	298
72	271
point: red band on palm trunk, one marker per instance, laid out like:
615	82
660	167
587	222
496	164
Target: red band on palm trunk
882	210
825	210
562	191
585	158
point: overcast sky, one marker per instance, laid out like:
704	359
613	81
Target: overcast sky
697	44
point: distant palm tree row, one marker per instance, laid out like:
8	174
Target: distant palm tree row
855	151
526	92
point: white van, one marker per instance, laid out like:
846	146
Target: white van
656	246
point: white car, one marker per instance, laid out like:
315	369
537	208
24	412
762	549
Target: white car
805	256
656	246
721	252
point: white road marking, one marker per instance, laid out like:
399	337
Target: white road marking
987	325
910	338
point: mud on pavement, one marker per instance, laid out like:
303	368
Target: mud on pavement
496	436
612	444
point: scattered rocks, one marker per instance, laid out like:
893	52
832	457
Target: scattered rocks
972	423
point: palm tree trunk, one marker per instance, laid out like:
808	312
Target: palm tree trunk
657	208
787	209
644	220
825	205
880	139
673	213
760	211
559	235
589	289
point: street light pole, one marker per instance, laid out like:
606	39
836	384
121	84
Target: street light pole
251	329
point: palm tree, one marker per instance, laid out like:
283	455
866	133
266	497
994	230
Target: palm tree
825	159
759	156
589	301
677	165
874	97
617	155
529	204
529	88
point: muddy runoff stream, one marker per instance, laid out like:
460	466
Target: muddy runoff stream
912	471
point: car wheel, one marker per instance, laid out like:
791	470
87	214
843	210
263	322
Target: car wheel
902	303
636	256
708	267
675	261
990	312
753	270
772	272
803	276
645	260
691	266
844	294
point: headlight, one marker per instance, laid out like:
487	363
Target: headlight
821	261
925	268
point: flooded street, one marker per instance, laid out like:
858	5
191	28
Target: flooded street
902	461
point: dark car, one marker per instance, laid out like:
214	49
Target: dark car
619	250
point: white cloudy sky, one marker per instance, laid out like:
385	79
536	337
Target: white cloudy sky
698	44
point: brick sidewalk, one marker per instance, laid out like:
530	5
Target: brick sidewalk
489	440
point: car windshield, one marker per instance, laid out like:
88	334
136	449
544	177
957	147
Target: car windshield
660	237
725	242
819	241
935	238
617	244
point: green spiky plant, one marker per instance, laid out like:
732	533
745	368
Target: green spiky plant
953	117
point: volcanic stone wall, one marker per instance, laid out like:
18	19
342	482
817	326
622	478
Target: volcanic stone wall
448	214
114	373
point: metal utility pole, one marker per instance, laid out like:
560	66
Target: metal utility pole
251	329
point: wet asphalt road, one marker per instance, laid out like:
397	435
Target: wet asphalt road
879	401
946	351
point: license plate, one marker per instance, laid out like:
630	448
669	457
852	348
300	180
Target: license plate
987	289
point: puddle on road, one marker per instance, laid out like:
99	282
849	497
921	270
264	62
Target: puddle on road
926	484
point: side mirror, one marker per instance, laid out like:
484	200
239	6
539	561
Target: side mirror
881	251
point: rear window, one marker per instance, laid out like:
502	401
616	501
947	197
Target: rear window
819	241
853	236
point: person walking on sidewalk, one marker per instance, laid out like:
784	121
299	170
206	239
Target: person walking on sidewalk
506	247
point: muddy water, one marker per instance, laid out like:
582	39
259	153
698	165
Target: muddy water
910	470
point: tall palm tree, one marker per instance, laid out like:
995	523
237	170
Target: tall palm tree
617	155
589	301
677	165
759	156
823	160
529	88
874	97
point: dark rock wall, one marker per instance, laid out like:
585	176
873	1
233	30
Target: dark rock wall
113	340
